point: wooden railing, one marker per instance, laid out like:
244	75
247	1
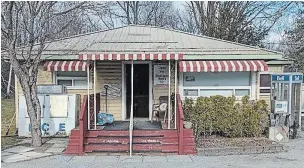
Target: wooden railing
83	122
92	113
180	124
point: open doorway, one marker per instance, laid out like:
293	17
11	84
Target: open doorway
140	90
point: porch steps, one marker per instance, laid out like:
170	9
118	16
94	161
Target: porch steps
74	140
144	141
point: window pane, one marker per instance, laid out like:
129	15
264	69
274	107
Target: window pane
190	92
64	82
80	83
242	92
217	79
265	80
207	93
71	74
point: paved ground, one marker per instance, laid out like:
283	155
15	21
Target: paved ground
294	158
22	152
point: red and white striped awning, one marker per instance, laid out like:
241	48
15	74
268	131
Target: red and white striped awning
223	66
133	56
65	66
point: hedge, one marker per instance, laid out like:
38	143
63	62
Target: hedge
224	116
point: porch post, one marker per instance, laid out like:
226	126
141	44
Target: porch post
88	78
131	115
95	94
169	95
175	86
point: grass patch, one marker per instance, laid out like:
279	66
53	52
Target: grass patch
7	113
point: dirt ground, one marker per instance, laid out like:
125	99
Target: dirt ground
7	113
221	142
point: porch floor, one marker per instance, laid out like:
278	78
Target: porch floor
138	125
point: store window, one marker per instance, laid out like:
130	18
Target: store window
216	83
72	79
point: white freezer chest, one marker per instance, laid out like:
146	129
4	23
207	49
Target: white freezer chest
59	115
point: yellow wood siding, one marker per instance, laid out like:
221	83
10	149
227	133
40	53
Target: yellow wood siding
276	68
43	77
109	72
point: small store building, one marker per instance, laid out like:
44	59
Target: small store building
127	70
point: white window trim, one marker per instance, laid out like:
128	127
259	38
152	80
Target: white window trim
251	88
72	78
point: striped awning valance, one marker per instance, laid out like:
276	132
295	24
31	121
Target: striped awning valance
65	66
131	56
223	66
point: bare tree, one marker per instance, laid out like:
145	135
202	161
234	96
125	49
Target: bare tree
37	22
294	44
155	13
246	22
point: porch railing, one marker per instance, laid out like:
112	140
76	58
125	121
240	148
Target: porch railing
180	125
83	122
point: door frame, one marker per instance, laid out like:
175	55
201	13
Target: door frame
124	90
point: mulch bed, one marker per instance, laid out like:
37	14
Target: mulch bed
214	141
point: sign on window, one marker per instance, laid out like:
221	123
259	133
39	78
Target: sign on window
161	74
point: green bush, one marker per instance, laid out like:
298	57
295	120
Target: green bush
225	116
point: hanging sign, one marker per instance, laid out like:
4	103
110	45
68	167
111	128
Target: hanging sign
161	74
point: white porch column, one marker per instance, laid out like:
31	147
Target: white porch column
88	78
169	95
131	115
94	95
175	87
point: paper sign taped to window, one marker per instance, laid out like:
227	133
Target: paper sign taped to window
161	74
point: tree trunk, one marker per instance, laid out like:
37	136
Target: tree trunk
28	84
34	112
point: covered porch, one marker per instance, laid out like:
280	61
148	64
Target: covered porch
129	87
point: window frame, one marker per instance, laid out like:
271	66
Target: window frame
56	78
260	88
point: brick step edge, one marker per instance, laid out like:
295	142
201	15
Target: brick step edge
242	150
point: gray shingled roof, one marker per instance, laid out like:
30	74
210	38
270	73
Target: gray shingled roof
137	38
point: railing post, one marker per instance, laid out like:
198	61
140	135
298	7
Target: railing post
82	123
180	128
